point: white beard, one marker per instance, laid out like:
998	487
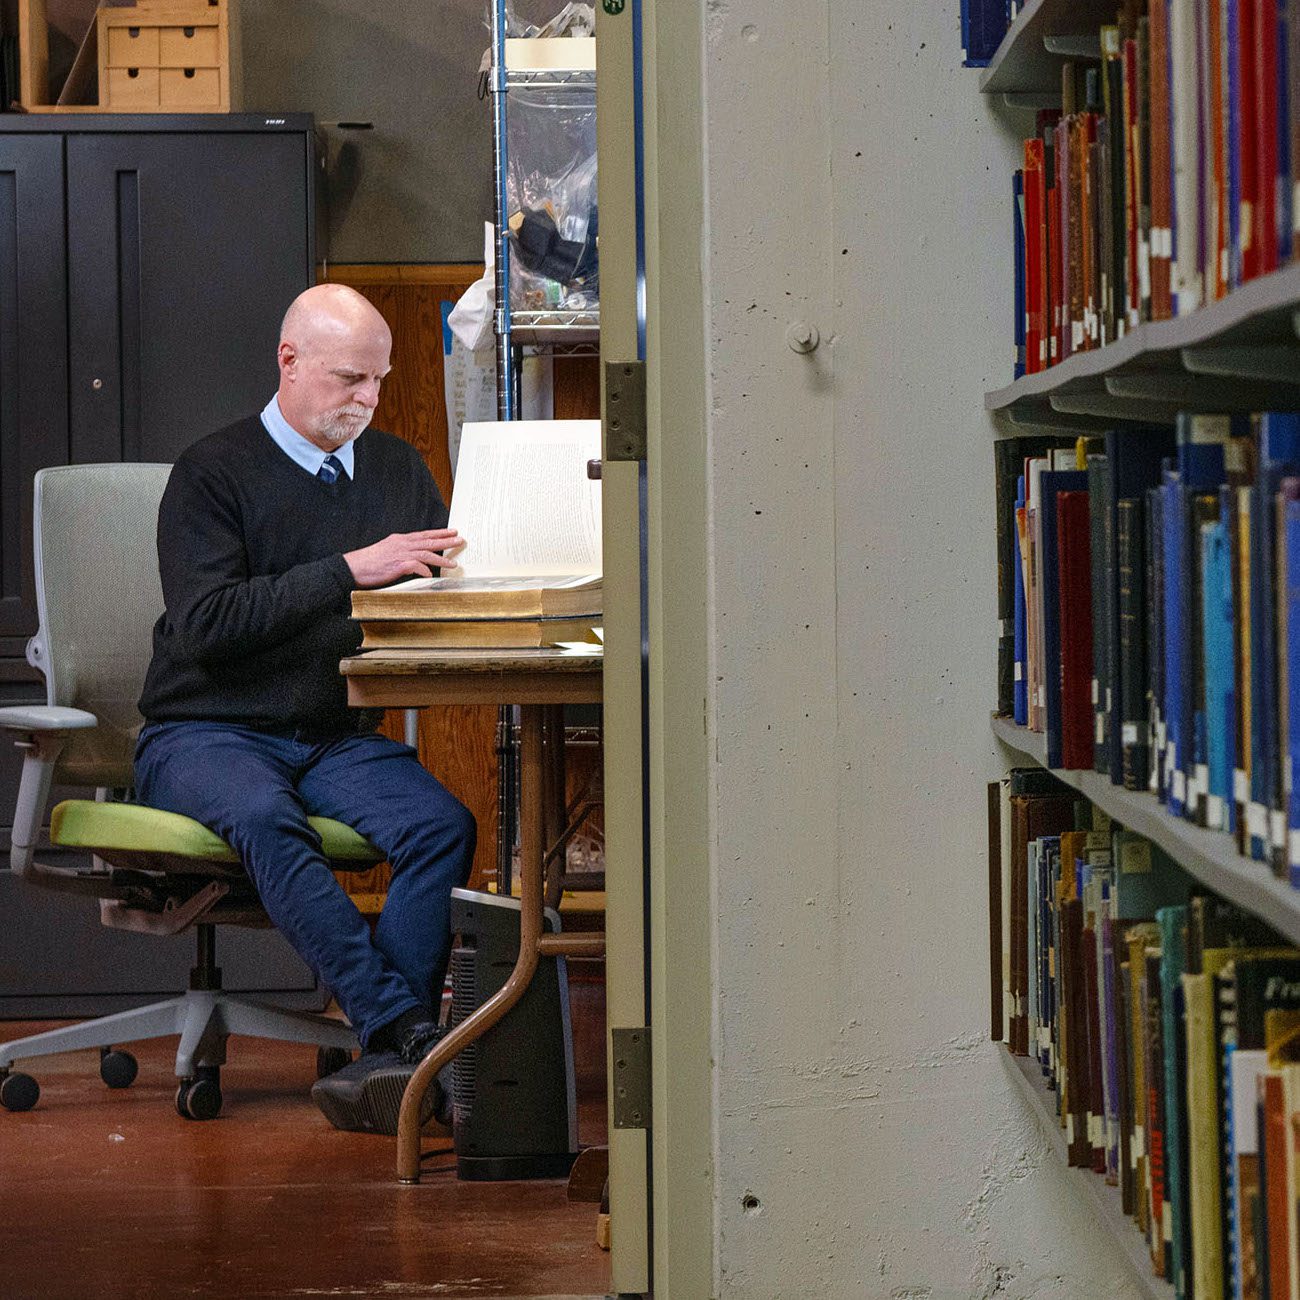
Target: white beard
339	428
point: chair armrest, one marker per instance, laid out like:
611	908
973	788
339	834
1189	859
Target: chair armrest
41	730
43	718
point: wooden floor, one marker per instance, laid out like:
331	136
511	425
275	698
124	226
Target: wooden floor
111	1194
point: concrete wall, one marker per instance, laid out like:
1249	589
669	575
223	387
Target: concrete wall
868	1140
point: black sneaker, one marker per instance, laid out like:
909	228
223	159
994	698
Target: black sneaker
366	1096
415	1045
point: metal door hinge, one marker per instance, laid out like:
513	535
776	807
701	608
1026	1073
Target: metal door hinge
625	437
631	1077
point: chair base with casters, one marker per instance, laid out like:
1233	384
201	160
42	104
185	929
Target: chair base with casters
158	872
202	1017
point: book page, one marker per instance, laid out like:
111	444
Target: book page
523	501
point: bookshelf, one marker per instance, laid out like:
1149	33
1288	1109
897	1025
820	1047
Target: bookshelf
1091	1188
1044	34
1210	856
1250	335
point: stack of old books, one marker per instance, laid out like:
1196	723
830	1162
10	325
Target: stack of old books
529	574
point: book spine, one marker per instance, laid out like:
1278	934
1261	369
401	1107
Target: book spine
1247	137
1132	646
1101	680
1018	272
1291	602
1077	717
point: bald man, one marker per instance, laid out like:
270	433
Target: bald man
264	530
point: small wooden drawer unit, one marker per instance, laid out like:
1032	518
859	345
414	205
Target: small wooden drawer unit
166	56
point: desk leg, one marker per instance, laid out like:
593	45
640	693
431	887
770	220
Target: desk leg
532	846
556	797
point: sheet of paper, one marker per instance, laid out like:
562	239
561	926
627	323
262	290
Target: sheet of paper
523	500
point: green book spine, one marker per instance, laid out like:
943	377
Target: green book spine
1173	964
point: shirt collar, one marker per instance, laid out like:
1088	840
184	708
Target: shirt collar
297	448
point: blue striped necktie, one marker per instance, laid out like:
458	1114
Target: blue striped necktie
331	468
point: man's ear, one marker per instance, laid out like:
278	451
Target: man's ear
287	355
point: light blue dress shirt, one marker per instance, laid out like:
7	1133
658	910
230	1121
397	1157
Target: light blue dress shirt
296	447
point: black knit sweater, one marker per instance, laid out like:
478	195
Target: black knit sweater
250	549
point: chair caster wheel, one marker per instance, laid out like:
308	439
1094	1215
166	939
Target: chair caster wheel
329	1060
18	1091
117	1069
198	1099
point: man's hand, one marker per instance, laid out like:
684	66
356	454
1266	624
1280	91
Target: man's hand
404	555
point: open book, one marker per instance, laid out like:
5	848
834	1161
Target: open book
531	520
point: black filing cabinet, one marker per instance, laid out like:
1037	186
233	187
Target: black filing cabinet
145	264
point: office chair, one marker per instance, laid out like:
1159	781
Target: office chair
98	595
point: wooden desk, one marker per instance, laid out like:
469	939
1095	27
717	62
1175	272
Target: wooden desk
534	680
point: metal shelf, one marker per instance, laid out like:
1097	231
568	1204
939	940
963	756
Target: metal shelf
1092	1189
1023	61
551	78
1210	856
1259	316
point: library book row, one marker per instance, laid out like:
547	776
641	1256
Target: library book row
1149	595
1165	1025
1166	179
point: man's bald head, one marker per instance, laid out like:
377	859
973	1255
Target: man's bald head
334	351
329	312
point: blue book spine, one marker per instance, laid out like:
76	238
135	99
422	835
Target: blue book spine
1228	617
1233	145
983	25
1156	639
1216	608
1279	457
1052	482
1256	809
1175	643
1018	242
1292	543
1020	697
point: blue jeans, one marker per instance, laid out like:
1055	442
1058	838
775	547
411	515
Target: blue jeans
256	790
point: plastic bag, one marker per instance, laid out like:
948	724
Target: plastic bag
551	193
471	318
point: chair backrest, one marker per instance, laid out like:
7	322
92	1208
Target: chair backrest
98	595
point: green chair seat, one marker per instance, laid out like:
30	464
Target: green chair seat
128	827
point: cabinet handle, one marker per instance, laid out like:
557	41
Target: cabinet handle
96	384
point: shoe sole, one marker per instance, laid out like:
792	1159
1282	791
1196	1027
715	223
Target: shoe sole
375	1106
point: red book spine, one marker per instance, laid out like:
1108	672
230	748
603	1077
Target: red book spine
1247	139
1273	1136
1216	279
1063	174
1035	327
1054	276
1266	161
1076	629
1161	224
1132	182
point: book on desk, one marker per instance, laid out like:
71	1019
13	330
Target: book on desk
530	570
